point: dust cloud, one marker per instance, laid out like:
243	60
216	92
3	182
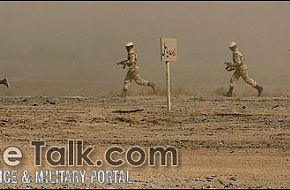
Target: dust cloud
71	48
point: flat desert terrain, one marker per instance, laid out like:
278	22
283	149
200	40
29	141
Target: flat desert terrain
222	142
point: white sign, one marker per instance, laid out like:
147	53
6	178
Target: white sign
168	49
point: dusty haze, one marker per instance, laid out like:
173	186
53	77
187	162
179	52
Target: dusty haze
71	48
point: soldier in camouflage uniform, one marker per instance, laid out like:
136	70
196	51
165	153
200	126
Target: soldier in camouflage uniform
240	71
133	72
4	82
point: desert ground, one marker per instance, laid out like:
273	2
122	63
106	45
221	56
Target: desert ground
222	142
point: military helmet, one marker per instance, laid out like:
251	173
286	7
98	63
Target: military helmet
232	44
129	44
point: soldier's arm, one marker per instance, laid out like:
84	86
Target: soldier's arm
136	57
123	62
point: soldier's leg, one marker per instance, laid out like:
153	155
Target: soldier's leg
235	77
247	79
140	81
127	81
250	81
4	82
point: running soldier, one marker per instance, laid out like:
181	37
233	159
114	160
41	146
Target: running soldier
133	72
240	71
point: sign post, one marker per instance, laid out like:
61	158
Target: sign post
168	53
168	86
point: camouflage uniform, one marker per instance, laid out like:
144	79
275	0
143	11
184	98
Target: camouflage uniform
240	70
133	72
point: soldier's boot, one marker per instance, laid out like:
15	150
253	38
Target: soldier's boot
229	93
260	90
5	82
124	93
153	85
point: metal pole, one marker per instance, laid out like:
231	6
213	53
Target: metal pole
168	85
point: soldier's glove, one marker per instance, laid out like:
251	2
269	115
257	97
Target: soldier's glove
229	66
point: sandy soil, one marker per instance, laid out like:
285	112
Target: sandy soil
222	142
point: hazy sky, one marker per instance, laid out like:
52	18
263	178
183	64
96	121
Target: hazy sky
82	41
